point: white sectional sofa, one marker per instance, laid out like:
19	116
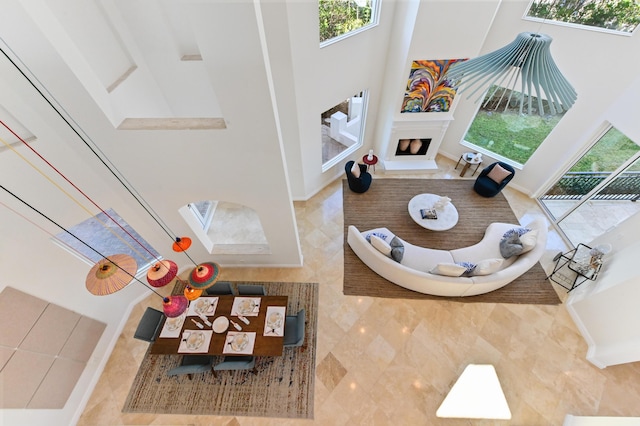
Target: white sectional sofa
414	271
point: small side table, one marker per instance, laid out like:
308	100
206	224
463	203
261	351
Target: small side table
469	159
573	268
371	162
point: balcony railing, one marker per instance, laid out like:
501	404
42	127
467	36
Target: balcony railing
574	185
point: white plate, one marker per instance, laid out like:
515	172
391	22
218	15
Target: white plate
174	323
239	342
195	340
202	306
274	320
246	306
220	324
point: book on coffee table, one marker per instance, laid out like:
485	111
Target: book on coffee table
428	214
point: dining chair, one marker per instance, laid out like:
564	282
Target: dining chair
294	330
251	290
247	362
149	326
192	364
220	288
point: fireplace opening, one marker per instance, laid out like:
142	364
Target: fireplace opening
413	146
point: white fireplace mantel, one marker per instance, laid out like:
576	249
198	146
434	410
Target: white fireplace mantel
427	129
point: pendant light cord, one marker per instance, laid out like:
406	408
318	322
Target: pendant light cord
78	189
80	240
119	176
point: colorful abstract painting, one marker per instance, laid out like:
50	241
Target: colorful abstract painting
427	89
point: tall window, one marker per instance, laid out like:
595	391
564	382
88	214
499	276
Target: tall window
108	239
501	130
615	15
342	129
600	191
341	17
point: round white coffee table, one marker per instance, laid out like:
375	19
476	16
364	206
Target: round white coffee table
447	216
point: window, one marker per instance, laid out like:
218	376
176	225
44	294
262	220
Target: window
203	211
499	129
599	191
108	239
342	129
341	17
614	15
226	228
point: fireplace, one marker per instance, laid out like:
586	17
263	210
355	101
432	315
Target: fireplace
413	146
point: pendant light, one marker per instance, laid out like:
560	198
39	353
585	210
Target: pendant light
527	59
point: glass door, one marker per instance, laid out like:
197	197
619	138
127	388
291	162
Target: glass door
599	191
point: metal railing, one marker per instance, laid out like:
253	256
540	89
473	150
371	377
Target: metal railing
575	185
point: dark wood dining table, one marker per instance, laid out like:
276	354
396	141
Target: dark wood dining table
264	345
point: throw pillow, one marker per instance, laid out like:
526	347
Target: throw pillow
397	249
488	266
449	269
355	169
498	174
519	231
528	240
469	268
510	246
381	245
380	234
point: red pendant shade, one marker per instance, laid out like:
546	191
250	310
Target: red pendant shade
161	273
174	306
204	275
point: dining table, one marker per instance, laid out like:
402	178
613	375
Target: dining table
226	325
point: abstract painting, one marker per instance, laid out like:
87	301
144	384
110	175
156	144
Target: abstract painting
427	89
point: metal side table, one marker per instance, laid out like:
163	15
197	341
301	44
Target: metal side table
575	267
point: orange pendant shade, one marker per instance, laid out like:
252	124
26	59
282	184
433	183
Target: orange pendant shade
181	244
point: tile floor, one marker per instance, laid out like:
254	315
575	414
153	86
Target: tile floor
392	362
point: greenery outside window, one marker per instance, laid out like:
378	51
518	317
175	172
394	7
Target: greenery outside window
340	18
500	130
620	16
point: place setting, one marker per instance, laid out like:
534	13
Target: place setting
239	343
204	306
246	306
195	341
274	324
172	326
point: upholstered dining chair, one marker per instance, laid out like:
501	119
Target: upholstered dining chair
493	178
251	290
229	363
149	326
192	364
221	288
294	329
358	178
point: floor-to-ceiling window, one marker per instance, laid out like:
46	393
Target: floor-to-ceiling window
599	191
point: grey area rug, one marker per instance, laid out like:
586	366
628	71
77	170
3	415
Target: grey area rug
283	386
385	205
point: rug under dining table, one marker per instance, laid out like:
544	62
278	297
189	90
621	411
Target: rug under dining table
283	386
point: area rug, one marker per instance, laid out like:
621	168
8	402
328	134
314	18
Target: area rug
283	386
385	205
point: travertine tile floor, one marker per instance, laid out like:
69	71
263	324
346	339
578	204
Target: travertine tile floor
391	362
